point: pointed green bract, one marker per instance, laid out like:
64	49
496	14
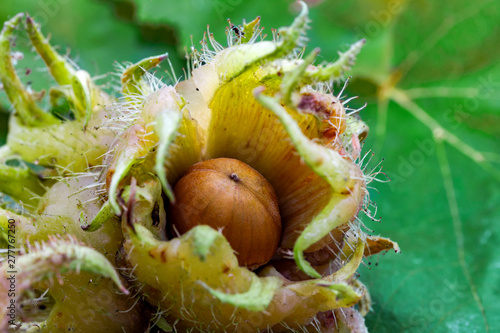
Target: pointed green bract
123	166
330	165
298	73
82	90
337	69
249	29
62	71
294	35
130	152
26	108
326	162
57	256
233	61
106	213
337	295
203	239
293	78
349	269
132	76
166	126
256	298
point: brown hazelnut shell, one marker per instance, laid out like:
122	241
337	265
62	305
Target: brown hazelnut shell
230	196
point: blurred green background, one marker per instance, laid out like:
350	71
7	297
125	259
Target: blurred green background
430	75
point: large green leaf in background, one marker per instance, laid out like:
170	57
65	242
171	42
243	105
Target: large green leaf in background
430	74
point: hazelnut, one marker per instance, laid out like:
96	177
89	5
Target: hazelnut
231	196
